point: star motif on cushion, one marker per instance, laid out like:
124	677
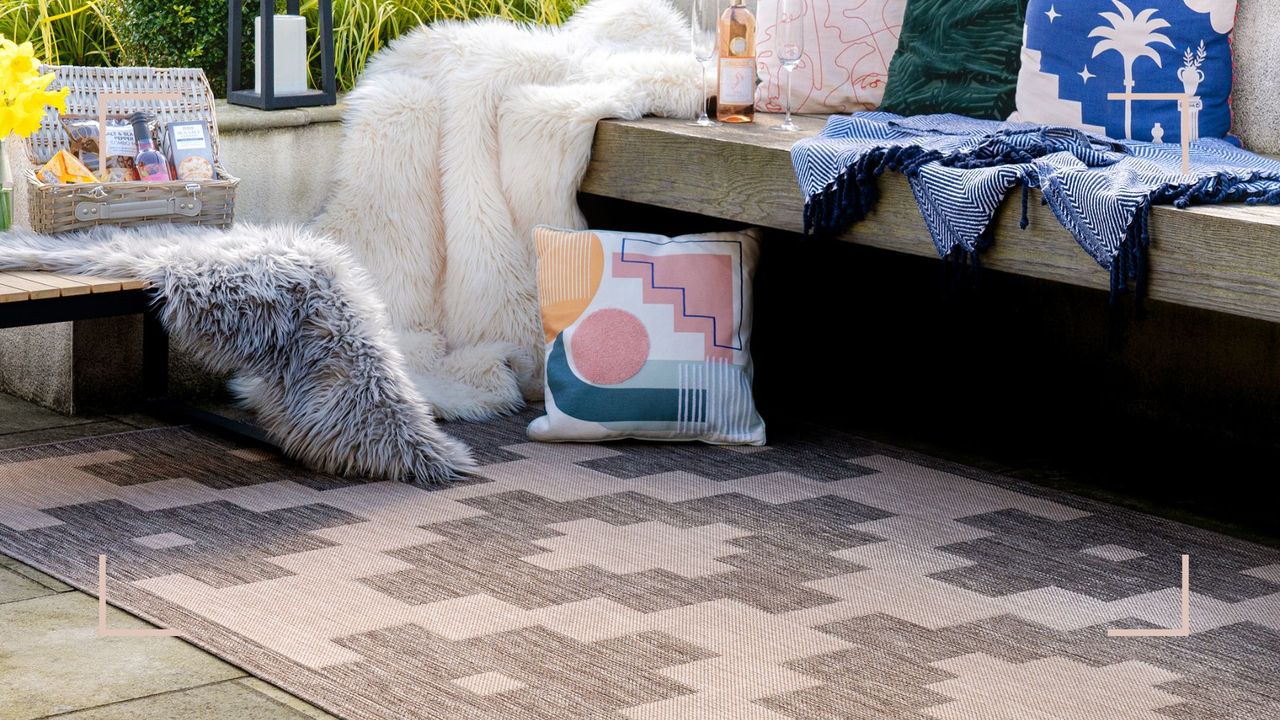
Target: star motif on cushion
1086	75
1053	14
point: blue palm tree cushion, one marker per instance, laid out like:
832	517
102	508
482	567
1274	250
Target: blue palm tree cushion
1077	53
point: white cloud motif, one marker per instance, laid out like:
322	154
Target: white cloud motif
1222	13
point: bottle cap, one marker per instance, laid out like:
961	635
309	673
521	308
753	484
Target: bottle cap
139	121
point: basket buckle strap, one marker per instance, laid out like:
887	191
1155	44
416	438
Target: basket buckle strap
187	206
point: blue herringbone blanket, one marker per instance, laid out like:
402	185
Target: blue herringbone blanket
961	170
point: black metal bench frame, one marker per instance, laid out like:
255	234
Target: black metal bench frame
155	348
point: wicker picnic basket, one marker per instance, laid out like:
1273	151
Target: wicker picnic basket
172	94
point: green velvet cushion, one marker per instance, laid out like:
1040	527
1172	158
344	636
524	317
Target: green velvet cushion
957	56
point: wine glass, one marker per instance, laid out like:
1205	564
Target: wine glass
704	16
789	41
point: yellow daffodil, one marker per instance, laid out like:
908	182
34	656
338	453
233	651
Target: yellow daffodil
24	92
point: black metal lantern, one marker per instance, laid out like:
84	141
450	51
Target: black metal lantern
266	96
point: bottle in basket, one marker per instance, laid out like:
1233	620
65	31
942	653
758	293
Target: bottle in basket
152	166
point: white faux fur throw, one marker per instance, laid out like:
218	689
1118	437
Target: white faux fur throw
297	321
460	138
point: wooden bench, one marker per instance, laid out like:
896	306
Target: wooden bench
1223	257
16	286
37	298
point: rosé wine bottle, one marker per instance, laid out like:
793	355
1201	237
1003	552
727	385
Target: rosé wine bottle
152	166
737	71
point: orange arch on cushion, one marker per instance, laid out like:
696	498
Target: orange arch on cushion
570	268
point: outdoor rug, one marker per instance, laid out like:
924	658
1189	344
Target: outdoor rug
822	577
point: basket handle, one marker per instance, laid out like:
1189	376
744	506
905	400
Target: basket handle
185	205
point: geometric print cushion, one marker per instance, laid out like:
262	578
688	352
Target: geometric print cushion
847	48
1076	52
648	337
957	56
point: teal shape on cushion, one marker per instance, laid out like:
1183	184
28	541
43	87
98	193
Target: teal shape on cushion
655	374
593	403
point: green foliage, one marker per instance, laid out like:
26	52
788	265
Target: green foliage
362	27
193	33
174	33
64	32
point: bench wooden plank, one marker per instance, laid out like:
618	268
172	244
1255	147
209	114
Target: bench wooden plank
95	284
101	284
35	290
66	285
12	294
127	284
1224	257
16	286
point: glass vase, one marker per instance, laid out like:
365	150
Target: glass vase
6	188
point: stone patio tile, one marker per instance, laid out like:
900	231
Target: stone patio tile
15	587
62	434
21	416
220	700
54	661
302	706
33	574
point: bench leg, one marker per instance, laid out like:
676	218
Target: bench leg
155	369
155	357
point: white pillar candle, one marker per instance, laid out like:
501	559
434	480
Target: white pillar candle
290	54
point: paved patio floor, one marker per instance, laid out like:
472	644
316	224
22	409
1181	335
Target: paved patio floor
49	648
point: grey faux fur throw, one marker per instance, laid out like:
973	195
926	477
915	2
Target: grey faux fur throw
294	318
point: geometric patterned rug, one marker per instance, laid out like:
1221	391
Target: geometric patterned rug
821	577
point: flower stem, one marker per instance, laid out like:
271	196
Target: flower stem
6	188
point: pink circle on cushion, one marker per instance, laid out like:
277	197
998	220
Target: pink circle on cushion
609	346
